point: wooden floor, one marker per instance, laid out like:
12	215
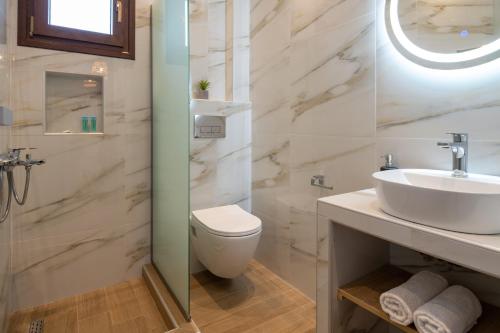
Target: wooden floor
258	302
127	307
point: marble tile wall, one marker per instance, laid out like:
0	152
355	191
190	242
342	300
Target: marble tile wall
313	101
198	42
219	47
220	168
238	83
207	21
87	221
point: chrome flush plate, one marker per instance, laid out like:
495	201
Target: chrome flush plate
209	127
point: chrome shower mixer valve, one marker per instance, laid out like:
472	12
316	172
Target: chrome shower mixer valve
8	162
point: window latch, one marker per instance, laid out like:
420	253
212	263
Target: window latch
119	11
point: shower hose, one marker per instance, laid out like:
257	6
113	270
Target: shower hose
11	191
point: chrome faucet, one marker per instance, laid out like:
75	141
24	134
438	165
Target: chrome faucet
8	162
13	159
460	149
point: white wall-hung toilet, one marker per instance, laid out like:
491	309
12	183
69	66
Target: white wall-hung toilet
225	239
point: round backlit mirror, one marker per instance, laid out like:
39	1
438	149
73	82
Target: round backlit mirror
445	34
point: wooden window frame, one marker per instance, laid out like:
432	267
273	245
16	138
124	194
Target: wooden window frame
34	30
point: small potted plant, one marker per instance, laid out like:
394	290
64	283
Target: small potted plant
203	86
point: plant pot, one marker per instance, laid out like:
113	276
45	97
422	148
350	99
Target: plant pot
203	94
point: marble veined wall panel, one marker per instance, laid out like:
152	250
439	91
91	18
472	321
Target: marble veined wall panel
86	224
220	168
313	101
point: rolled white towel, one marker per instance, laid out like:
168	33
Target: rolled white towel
400	303
455	310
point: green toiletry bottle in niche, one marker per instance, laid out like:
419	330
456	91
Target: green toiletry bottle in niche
85	124
93	121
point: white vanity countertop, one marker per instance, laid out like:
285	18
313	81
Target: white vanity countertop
360	211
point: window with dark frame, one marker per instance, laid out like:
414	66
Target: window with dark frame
99	27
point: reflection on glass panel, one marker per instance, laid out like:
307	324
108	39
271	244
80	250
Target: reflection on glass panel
88	15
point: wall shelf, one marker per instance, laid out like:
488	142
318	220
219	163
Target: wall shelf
68	98
222	108
365	292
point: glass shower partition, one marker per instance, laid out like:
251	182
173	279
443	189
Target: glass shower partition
5	227
170	61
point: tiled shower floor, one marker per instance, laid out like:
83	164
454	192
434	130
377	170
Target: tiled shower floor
126	307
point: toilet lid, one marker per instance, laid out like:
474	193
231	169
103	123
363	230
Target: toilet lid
231	221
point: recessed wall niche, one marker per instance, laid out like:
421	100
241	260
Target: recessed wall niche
73	103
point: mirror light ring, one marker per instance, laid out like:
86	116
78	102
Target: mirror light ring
430	59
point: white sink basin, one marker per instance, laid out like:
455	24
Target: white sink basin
436	199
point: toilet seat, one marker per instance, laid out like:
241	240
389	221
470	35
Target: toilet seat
228	221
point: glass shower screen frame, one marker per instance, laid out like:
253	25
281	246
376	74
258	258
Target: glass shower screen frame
170	146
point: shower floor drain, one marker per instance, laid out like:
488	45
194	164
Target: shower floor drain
36	326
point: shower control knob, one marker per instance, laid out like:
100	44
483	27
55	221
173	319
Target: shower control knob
15	152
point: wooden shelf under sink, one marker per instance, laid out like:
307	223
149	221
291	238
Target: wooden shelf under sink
366	292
